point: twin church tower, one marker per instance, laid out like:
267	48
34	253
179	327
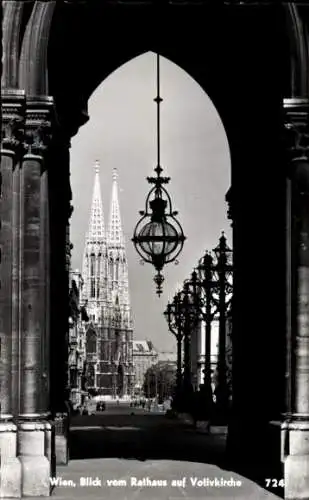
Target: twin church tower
105	293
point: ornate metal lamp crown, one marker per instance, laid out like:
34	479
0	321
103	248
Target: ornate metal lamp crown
223	251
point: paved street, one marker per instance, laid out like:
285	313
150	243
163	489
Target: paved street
121	453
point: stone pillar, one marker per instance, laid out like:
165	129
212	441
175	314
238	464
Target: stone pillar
34	429
295	430
13	108
62	418
60	211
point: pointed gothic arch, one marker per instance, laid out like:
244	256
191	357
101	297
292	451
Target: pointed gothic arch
240	113
290	17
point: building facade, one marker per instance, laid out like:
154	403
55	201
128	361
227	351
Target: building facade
105	294
78	320
144	356
198	349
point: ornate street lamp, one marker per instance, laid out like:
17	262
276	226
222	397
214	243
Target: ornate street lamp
171	315
200	287
158	236
205	269
224	270
189	317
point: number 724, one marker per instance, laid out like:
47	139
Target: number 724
274	483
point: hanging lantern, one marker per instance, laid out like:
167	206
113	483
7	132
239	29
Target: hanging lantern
158	236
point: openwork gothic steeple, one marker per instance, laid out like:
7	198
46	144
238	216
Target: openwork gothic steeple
105	267
117	260
96	229
95	253
106	294
115	234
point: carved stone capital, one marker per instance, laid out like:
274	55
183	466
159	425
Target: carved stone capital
39	126
13	121
296	124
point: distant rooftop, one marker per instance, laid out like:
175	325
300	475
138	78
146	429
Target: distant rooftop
147	347
167	356
143	346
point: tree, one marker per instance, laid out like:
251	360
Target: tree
159	380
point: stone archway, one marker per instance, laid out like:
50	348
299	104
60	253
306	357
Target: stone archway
224	75
75	45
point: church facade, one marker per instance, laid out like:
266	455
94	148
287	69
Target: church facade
105	294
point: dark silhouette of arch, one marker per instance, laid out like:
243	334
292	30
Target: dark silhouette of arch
70	32
87	54
246	76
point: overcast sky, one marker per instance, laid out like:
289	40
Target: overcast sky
121	133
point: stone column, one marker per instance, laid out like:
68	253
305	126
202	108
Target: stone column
34	437
295	430
60	211
13	108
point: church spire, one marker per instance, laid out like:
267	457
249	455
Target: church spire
96	229
118	265
95	254
115	234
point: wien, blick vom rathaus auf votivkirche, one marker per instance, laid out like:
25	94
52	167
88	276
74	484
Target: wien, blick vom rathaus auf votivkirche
109	334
